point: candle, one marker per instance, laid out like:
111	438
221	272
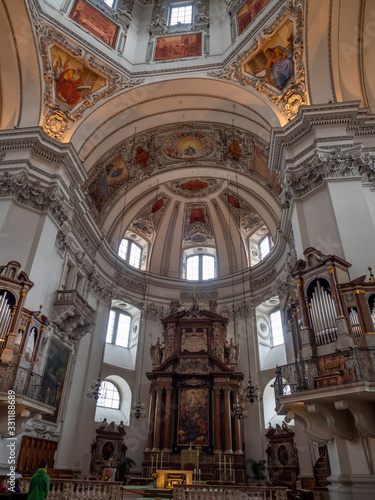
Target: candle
230	468
157	460
152	463
225	465
199	475
194	474
161	460
219	461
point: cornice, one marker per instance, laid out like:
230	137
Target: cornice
35	140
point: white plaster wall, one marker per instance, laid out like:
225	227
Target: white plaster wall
354	213
315	225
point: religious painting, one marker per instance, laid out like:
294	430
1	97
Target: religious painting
178	47
260	166
197	215
188	145
54	375
73	82
157	205
233	201
193	417
194	185
248	12
274	64
107	182
94	22
194	341
141	156
108	450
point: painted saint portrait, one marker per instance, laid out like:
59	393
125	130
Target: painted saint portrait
274	63
107	181
73	82
193	417
197	215
260	166
178	47
108	450
248	12
94	22
54	375
188	144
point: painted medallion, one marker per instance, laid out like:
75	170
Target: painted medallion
188	145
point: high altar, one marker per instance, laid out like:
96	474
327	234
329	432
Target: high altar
194	384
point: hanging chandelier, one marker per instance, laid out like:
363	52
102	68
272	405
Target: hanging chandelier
238	408
251	390
93	392
138	410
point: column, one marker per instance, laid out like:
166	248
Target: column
308	338
151	420
167	421
218	444
227	421
157	434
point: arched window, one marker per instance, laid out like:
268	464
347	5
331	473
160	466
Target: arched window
109	395
118	330
110	3
264	247
131	252
260	245
200	267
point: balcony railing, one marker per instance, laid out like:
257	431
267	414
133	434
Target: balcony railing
342	367
27	383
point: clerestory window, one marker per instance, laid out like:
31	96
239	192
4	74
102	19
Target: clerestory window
130	252
181	14
276	328
118	330
200	267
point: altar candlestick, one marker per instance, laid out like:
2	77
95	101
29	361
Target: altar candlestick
199	477
157	460
152	463
225	466
230	468
194	474
161	461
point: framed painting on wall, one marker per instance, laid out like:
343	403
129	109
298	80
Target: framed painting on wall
193	417
95	22
55	373
178	47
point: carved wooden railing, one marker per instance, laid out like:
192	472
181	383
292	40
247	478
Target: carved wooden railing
67	489
193	492
342	367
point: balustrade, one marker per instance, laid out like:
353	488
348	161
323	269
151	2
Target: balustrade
67	489
229	493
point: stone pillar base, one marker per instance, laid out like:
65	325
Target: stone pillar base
351	487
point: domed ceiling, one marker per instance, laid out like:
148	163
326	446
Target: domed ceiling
197	187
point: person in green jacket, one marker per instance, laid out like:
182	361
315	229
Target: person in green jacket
39	484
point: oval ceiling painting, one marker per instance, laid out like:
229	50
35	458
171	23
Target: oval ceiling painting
188	145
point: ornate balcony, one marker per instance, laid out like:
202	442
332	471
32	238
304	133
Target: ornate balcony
33	395
72	314
341	368
330	395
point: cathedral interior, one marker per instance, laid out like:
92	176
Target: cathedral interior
187	234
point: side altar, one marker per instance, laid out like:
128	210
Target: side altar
194	384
